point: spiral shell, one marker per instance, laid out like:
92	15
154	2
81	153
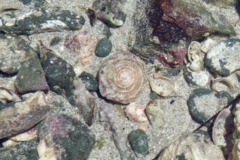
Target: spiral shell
121	78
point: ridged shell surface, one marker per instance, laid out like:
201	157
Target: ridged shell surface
121	78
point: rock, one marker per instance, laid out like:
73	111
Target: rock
24	115
68	138
14	50
40	21
103	47
223	58
200	78
90	82
85	101
202	110
138	141
59	73
31	76
22	151
194	18
81	46
196	146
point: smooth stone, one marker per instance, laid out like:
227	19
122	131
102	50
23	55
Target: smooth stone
223	58
103	47
203	103
31	76
138	141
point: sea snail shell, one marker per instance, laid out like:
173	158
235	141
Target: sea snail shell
121	78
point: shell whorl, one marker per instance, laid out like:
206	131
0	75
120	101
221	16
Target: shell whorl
121	78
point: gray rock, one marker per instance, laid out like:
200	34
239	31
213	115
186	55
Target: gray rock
138	140
24	115
14	50
31	76
223	59
22	151
70	139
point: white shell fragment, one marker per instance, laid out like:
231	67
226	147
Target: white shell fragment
222	126
45	152
7	95
135	112
195	56
25	136
162	85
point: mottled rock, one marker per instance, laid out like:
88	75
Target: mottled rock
200	78
58	72
90	81
193	17
68	138
39	21
85	101
223	58
22	151
81	46
202	110
103	47
14	50
31	76
138	141
24	115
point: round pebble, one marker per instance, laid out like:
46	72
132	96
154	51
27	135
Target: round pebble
103	47
139	142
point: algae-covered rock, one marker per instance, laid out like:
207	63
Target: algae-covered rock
38	22
90	81
31	76
59	73
103	47
203	104
69	138
14	50
22	151
138	140
223	58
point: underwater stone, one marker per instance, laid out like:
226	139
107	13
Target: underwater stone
121	78
69	138
194	18
203	104
59	73
90	82
196	146
223	58
104	47
43	22
14	50
22	151
138	141
31	76
24	115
